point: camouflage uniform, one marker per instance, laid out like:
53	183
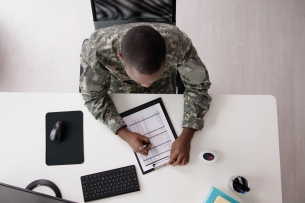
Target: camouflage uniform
104	72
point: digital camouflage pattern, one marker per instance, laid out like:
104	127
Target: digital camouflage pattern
104	73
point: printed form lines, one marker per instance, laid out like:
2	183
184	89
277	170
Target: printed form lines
143	119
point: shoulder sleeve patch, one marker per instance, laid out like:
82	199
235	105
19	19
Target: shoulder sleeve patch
195	73
94	81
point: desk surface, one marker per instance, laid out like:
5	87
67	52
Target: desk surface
243	131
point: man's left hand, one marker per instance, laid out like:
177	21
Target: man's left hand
180	152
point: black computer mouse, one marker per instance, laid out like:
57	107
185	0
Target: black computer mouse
57	131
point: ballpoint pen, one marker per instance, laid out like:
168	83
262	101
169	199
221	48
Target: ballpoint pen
243	192
144	145
240	180
161	163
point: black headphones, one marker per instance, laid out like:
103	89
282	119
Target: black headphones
47	183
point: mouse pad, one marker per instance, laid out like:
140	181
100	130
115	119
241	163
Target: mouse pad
70	150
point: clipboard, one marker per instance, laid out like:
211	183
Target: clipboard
151	120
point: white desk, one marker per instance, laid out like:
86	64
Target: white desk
241	129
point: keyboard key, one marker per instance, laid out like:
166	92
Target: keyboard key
85	182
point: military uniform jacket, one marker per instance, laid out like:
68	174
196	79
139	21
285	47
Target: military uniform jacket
104	73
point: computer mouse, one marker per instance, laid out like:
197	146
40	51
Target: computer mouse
57	131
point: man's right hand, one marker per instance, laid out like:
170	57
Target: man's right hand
135	140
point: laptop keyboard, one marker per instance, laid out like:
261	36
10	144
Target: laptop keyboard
110	183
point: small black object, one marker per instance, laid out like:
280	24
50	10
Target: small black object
57	131
110	183
47	183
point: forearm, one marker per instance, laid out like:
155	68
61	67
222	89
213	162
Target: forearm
135	140
123	133
188	133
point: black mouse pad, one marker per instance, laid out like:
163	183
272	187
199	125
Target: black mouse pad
70	150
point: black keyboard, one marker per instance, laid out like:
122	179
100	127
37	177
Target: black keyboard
110	183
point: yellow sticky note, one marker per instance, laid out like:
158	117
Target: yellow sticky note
220	199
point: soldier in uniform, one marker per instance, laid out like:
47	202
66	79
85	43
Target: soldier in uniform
139	58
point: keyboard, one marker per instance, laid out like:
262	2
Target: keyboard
110	183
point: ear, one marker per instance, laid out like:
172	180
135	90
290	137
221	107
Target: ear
120	56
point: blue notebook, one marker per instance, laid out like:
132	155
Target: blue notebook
214	193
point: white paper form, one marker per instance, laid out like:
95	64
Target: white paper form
152	123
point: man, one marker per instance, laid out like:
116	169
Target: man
139	58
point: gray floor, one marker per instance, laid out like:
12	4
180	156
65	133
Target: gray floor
249	47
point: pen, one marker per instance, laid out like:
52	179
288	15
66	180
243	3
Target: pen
144	145
243	192
240	180
161	163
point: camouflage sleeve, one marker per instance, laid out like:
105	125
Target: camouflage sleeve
195	77
94	85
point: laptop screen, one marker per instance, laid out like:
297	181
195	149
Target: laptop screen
133	9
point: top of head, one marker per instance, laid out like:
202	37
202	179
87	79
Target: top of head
143	48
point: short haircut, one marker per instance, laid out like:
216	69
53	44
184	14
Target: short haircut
143	48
